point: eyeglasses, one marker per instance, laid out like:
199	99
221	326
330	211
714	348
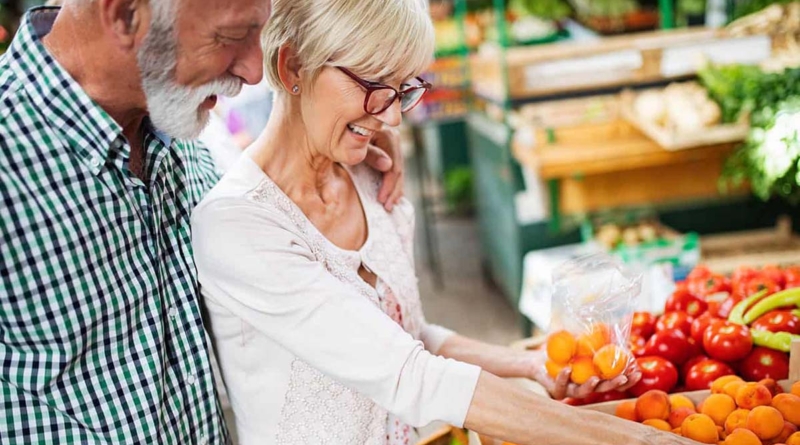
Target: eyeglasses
380	97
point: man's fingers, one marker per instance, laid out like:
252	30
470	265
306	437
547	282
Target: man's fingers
610	385
378	159
389	186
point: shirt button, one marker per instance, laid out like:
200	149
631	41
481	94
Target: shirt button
191	379
173	312
95	162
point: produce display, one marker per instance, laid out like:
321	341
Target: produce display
614	235
714	326
737	412
683	107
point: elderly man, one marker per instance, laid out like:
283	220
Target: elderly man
101	335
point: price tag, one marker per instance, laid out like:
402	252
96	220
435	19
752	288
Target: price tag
686	60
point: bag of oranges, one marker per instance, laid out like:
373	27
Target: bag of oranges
594	299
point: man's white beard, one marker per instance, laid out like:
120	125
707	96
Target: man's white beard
175	109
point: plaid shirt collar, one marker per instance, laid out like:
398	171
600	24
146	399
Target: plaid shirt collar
58	96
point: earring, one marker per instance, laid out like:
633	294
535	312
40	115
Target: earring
296	89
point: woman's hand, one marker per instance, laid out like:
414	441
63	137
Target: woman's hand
384	154
561	386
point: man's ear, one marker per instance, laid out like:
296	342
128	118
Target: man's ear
289	67
124	20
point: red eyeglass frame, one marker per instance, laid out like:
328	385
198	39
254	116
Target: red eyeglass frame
375	86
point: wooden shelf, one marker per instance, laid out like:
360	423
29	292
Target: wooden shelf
612	164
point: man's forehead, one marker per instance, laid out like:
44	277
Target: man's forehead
229	13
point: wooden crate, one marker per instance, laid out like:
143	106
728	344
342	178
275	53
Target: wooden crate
699	396
609	62
723	253
670	139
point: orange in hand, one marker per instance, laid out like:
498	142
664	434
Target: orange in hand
591	342
561	347
582	370
610	361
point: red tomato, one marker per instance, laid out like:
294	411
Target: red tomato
657	373
703	373
682	300
724	309
778	321
699	326
727	341
637	345
710	285
764	363
792	276
643	324
757	284
740	277
775	274
671	344
699	272
691	362
675	320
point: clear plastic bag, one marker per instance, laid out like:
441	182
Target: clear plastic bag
594	299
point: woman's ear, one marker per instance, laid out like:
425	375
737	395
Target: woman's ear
289	68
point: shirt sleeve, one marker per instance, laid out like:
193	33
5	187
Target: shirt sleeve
432	336
266	273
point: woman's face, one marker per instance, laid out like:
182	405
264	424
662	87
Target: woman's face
336	123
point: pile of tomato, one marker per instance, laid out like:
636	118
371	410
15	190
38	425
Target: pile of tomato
693	343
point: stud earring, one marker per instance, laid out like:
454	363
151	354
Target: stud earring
295	89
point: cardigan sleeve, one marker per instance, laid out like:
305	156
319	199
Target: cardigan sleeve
265	272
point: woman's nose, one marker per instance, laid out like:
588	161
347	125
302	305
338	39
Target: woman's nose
392	115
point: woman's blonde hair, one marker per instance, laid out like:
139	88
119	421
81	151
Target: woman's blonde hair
375	38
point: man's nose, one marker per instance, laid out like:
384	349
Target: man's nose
249	63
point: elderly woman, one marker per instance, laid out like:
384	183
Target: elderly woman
309	282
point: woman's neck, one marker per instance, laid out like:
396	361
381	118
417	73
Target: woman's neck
286	155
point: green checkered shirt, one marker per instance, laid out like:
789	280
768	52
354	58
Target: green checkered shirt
101	336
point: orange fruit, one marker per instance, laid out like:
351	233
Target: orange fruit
751	395
592	341
680	401
678	415
718	407
653	404
701	428
720	382
773	386
582	370
627	410
788	430
789	407
794	439
658	424
553	368
742	437
795	389
731	387
677	431
765	421
610	360
737	419
561	347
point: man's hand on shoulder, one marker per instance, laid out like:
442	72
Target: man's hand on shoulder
384	154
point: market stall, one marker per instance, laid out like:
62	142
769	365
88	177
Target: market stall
606	129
